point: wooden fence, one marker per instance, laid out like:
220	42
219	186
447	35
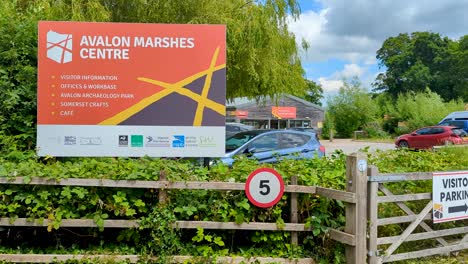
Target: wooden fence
365	191
377	253
353	236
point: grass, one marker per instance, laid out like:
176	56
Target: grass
376	140
460	154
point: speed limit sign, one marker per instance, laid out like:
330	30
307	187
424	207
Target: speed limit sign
264	187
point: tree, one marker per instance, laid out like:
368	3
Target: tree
262	56
419	61
458	67
351	109
18	60
314	92
423	109
17	74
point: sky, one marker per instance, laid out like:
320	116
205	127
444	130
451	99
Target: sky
344	35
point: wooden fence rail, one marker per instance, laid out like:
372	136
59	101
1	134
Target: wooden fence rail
47	258
353	236
366	190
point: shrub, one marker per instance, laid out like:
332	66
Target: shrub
423	109
351	109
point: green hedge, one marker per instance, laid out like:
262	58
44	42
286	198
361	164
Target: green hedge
155	237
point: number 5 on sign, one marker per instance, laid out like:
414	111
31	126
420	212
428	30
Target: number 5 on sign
264	187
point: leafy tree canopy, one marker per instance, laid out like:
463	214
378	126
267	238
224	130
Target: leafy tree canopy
314	92
351	109
423	60
262	55
418	109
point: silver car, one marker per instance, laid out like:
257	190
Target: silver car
271	145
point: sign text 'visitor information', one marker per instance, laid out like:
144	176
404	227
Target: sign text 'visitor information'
450	196
121	89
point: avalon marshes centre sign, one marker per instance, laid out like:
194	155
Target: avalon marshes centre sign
119	89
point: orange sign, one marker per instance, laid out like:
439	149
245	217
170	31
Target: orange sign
242	114
283	112
122	89
131	74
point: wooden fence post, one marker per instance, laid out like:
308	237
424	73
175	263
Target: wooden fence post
294	239
372	216
162	195
356	214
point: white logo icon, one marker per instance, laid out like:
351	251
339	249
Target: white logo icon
59	47
362	165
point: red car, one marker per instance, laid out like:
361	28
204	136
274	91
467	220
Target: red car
427	137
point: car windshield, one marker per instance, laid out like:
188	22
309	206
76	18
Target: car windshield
240	139
459	132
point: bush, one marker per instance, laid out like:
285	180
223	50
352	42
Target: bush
423	109
374	130
156	237
327	126
18	59
351	109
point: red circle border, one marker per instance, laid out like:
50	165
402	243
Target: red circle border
249	195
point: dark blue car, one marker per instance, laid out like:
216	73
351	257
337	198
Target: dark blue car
463	124
271	145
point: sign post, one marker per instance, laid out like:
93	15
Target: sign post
264	187
450	196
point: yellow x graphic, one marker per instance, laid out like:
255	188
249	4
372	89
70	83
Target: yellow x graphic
177	87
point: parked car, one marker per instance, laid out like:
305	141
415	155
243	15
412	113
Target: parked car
463	124
305	129
428	137
234	128
271	145
460	115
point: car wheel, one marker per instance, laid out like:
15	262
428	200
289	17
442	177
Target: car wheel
403	144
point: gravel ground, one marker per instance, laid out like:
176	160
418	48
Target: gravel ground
349	146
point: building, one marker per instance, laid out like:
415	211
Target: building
283	112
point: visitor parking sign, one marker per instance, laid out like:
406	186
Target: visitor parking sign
450	196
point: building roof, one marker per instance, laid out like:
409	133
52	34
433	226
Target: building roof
244	101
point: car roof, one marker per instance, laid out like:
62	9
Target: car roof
238	124
437	127
257	132
443	127
254	132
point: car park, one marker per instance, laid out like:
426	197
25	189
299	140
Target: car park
233	128
428	137
269	146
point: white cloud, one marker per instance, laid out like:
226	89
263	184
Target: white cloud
351	70
354	30
330	85
333	82
351	32
324	45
